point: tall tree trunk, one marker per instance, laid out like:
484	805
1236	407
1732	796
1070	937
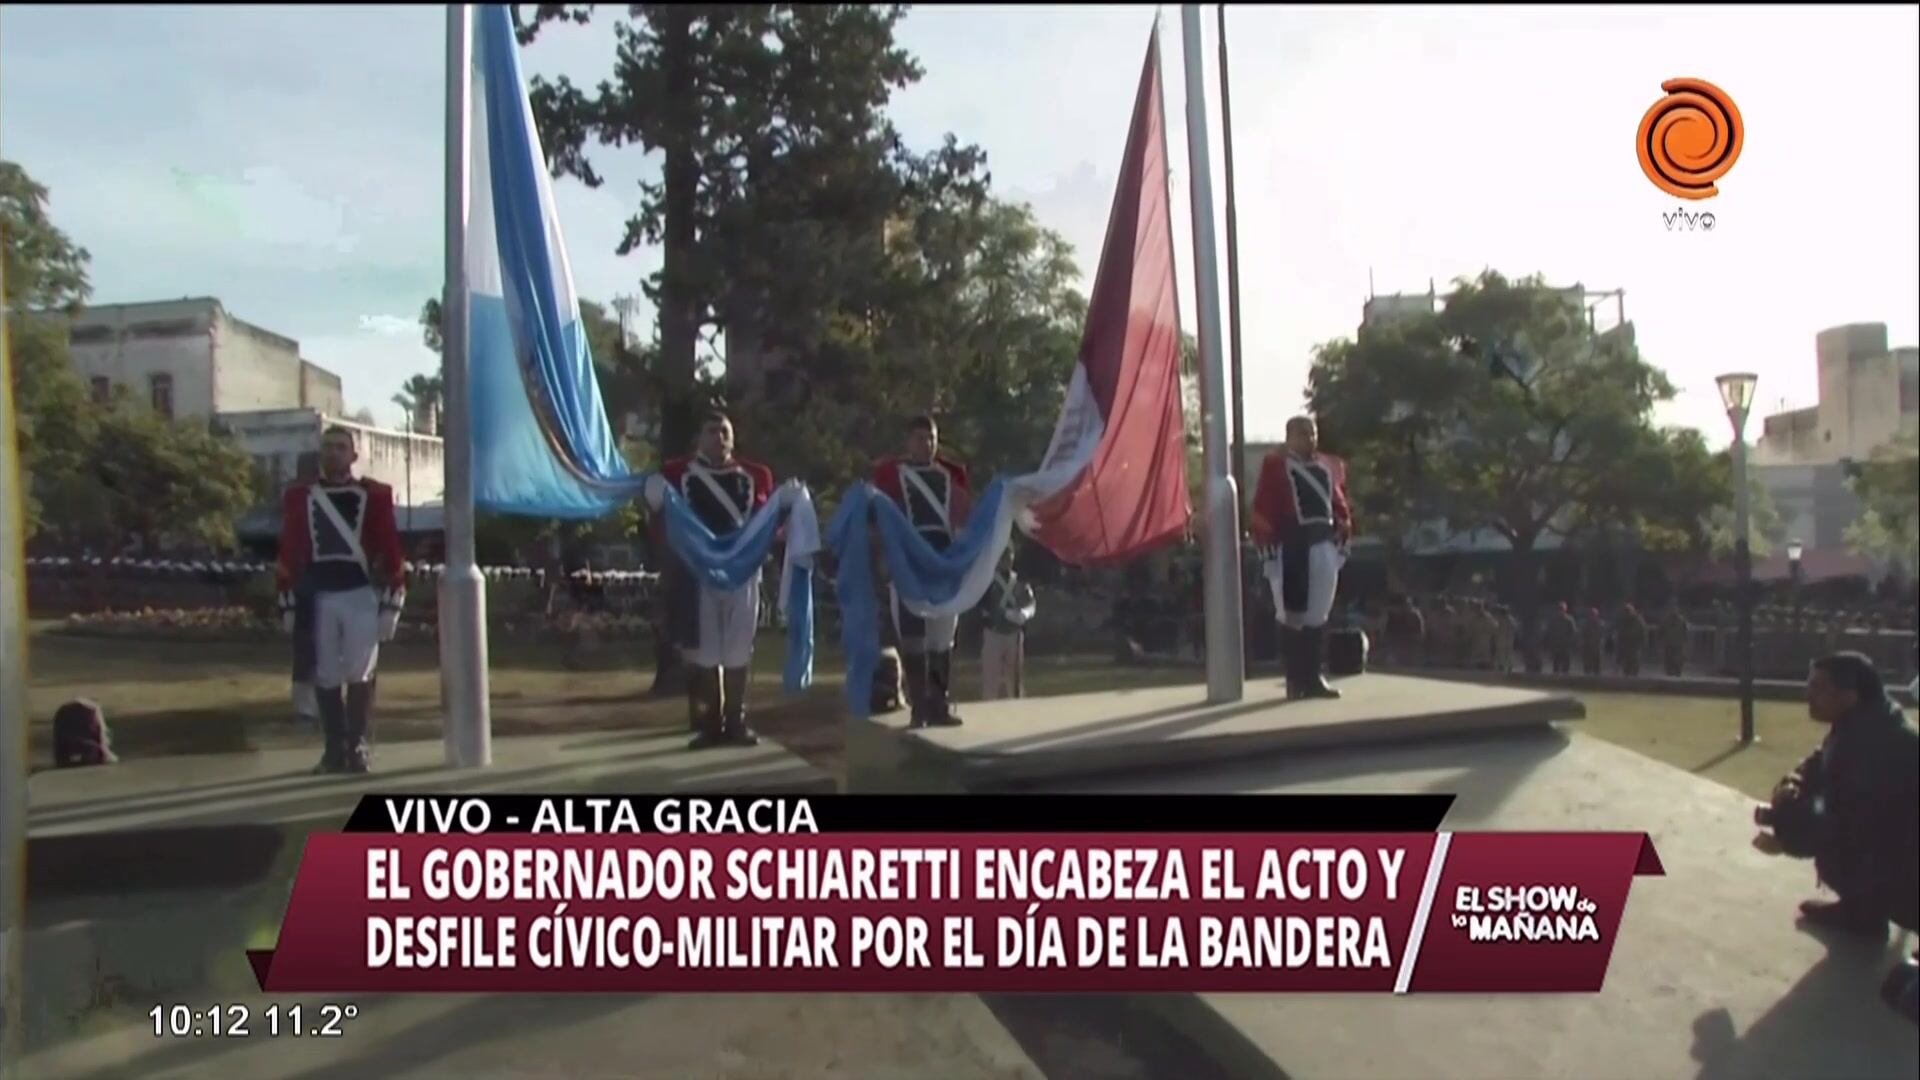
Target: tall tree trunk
1523	585
679	307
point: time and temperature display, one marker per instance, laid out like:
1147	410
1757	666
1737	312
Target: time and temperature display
239	1021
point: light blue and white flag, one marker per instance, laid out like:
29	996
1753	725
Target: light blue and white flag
542	443
542	446
931	584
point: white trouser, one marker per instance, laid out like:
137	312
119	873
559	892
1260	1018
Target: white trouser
346	637
728	622
1002	664
918	635
1323	562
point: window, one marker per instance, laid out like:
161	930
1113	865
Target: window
102	390
162	388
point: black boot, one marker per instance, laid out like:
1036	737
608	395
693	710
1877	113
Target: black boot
359	732
939	693
1290	656
704	685
1313	659
913	672
696	697
333	729
733	726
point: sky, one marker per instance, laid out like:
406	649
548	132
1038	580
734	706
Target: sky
289	161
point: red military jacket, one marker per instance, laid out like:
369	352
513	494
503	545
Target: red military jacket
313	547
1287	484
936	498
723	497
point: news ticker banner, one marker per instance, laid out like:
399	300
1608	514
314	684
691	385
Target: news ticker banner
967	894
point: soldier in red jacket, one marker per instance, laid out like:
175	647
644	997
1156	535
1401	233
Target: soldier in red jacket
1300	513
723	491
933	492
340	555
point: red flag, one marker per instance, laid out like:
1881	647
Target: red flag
1114	482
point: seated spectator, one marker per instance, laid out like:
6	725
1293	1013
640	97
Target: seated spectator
80	736
1851	806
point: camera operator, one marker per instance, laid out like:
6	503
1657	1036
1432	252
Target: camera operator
1851	806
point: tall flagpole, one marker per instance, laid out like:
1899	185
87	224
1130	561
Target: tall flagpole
1226	662
467	727
13	727
1233	269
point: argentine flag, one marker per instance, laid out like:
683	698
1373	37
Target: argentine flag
542	443
542	446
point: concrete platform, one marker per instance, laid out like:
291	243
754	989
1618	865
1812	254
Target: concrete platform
1041	740
274	787
1712	979
229	820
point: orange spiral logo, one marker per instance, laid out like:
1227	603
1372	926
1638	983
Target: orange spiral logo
1690	138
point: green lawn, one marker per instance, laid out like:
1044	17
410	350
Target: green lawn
168	697
173	697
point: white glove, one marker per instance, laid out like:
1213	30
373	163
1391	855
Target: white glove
391	604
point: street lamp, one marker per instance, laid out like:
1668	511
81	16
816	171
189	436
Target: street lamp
1736	393
1795	549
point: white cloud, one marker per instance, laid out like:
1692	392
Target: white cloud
389	325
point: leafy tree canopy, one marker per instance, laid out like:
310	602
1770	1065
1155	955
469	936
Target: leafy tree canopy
1506	412
1888	485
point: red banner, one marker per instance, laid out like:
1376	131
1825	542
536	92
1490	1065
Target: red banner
1119	451
861	913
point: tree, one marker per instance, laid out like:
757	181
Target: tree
98	475
423	391
774	154
204	483
1888	486
1764	526
45	270
975	318
46	279
1507	412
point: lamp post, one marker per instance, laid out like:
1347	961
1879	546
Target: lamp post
1736	393
1795	549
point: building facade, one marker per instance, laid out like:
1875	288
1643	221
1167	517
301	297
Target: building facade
192	359
285	446
1869	399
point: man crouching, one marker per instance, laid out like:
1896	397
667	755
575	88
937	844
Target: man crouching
1850	805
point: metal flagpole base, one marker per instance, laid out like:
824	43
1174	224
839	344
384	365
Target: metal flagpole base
467	725
1226	649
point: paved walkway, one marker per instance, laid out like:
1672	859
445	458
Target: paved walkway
498	1037
1711	978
